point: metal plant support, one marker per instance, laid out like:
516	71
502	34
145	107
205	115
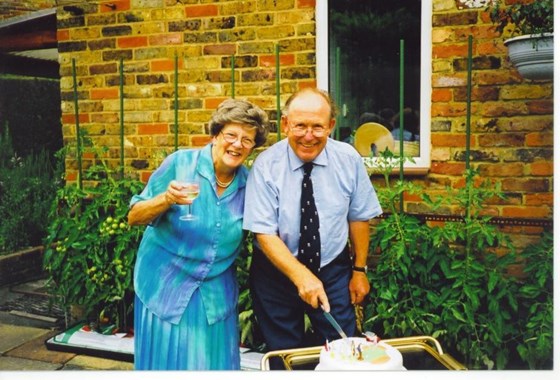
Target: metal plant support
78	133
121	98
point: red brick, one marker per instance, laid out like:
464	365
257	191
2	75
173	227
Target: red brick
448	51
71	119
442	95
131	42
526	212
200	140
63	35
407	197
145	176
306	84
164	65
542	168
114	6
104	93
213	103
493	47
539	139
541	107
447	168
71	175
153	129
539	199
448	109
306	3
201	10
450	139
270	60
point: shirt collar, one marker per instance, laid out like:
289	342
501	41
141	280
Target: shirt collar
295	162
205	166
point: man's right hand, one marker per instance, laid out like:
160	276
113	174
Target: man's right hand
310	290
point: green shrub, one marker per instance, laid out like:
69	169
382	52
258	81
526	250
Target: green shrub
31	107
26	191
535	344
90	249
451	281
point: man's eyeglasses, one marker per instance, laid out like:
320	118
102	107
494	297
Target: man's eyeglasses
232	138
301	130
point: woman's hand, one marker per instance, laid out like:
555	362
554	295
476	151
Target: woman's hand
146	211
174	194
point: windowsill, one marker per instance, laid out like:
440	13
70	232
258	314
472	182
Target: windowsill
408	170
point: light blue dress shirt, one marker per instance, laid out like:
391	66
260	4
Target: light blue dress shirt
177	257
342	190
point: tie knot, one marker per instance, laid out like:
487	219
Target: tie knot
307	167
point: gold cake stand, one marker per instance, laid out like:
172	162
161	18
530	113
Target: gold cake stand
419	352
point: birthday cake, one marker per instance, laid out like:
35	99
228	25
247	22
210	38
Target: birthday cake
359	354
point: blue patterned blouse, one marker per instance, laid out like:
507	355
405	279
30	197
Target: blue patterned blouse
177	257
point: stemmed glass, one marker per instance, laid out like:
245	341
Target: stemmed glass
190	189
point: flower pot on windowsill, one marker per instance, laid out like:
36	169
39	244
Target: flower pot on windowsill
532	55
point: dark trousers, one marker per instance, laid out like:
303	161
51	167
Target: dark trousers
280	311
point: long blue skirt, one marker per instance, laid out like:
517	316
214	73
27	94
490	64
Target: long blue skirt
192	344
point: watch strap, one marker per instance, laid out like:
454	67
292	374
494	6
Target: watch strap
360	269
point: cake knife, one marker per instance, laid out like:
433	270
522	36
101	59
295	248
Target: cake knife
334	324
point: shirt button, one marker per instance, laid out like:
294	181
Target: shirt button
218	224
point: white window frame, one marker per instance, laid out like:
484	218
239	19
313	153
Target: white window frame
423	162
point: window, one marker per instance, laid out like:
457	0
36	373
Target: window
358	61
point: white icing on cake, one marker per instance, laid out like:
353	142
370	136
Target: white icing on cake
359	354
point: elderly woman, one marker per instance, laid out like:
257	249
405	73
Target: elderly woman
185	311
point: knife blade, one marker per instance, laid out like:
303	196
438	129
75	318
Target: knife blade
335	324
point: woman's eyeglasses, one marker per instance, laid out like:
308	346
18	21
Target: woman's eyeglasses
232	138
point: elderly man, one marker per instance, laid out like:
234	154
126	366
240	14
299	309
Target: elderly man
309	255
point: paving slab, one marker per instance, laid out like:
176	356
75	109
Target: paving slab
36	349
90	362
14	336
19	364
7	318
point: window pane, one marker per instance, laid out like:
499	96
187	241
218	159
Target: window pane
364	42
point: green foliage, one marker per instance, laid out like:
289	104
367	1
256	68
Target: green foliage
90	249
536	304
31	107
536	17
26	190
451	281
250	332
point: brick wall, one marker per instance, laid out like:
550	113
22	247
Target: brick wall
204	36
511	120
14	8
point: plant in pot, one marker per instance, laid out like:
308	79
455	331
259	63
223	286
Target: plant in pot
529	28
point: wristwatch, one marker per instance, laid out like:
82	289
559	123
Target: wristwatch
359	269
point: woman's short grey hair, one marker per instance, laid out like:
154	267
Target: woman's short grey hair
242	112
